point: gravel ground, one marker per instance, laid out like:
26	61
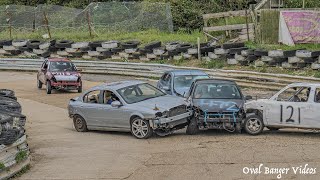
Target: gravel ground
59	152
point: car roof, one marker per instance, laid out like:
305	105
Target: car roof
58	59
214	80
181	72
304	84
116	85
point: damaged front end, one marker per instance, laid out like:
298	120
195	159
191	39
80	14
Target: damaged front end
229	119
168	121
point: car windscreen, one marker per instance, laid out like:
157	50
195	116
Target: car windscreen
139	92
62	66
216	91
185	81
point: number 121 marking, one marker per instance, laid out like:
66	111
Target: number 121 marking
290	120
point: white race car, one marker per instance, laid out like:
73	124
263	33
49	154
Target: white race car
295	106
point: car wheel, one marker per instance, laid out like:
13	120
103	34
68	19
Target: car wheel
192	127
140	128
39	84
253	125
49	88
80	89
80	124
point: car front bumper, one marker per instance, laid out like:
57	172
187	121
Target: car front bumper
171	122
65	84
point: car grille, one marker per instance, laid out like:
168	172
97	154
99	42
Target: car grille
177	110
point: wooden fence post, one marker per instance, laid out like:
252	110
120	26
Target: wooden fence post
89	23
47	23
9	21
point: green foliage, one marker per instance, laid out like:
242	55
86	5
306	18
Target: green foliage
2	166
299	3
22	155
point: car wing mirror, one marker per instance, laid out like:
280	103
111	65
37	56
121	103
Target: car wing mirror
116	104
248	97
166	88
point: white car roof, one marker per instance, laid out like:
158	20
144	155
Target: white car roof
304	84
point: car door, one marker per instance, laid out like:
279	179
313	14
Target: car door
314	105
43	71
289	108
90	108
113	117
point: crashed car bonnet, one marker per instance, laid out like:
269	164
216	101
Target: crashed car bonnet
217	104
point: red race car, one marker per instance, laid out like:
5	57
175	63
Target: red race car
59	74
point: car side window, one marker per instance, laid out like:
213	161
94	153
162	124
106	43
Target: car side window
295	94
109	97
317	96
92	97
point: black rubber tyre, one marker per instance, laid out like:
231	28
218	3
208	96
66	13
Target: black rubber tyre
232	45
80	88
15	52
205	49
80	124
130	44
95	44
45	54
39	84
273	129
173	53
5	43
34	44
116	50
253	124
237	50
48	88
140	128
63	44
252	58
181	48
8	137
24	48
145	51
259	52
6	92
153	45
192	128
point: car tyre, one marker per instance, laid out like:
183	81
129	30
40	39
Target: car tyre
141	128
49	88
253	125
80	88
39	84
80	124
192	127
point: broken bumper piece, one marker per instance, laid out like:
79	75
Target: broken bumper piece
170	122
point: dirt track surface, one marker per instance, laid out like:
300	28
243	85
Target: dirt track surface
59	152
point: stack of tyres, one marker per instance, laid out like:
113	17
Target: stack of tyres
12	122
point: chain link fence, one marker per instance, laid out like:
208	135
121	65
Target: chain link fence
96	17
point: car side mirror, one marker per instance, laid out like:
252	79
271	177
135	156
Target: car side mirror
116	104
248	97
166	88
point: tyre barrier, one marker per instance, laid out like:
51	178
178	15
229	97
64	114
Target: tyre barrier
156	50
14	150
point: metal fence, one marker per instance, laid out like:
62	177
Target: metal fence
106	16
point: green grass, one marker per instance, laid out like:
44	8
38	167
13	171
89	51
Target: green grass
2	166
22	155
83	35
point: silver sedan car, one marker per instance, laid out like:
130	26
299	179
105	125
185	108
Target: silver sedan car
132	106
